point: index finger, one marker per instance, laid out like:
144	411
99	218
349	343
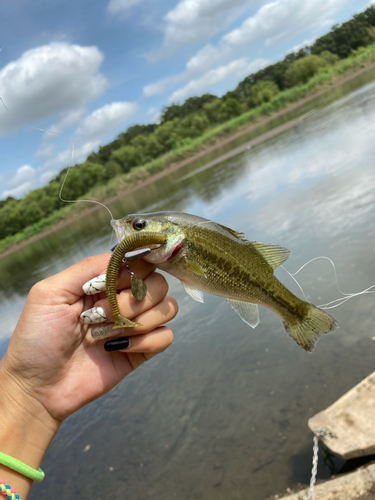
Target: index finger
70	281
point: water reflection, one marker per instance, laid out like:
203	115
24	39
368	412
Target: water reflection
222	414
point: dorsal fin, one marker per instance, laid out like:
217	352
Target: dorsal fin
273	254
238	235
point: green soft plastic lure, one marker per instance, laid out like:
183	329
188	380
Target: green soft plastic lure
138	287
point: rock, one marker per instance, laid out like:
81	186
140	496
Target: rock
351	418
358	485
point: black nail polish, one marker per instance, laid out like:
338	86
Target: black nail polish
117	344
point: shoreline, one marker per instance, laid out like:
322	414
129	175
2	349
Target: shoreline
219	143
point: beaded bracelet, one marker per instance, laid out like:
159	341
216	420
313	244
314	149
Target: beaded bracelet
5	489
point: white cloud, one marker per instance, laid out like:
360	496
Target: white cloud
273	23
154	114
46	149
21	182
205	58
67	120
47	176
161	86
72	154
103	120
305	43
287	18
202	61
236	69
121	6
89	135
192	21
47	80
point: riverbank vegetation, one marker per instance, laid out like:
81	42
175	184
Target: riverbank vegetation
186	128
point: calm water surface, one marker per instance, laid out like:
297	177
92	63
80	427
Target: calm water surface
223	413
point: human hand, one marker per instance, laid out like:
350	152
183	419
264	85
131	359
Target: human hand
52	360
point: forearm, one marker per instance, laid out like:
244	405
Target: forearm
26	431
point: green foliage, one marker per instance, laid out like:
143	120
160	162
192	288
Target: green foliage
183	143
153	148
341	40
81	178
127	157
167	134
261	92
329	58
371	34
230	108
191	105
135	130
213	111
193	125
299	72
219	111
112	169
104	153
273	72
7	200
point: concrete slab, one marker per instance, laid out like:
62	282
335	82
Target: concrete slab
357	485
352	419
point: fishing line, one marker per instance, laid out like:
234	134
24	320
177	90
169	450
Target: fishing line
336	302
77	201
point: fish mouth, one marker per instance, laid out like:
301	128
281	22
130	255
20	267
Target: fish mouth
122	228
119	229
159	255
176	250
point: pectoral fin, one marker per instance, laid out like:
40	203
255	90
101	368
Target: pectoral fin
193	292
195	268
249	313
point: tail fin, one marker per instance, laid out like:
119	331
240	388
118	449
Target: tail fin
307	331
121	322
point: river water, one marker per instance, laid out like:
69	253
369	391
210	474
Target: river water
222	414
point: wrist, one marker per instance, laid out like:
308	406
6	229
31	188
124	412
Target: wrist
26	427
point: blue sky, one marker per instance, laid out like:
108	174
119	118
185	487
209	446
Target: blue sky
90	69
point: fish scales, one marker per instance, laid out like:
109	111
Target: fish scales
240	272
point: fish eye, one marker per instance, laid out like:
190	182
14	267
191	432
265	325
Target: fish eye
139	224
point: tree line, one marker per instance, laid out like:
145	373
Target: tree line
180	123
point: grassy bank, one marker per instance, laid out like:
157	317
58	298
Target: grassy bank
212	138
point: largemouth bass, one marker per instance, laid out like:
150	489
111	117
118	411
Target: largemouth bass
206	256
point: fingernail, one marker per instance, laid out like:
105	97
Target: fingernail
95	285
94	315
105	331
117	344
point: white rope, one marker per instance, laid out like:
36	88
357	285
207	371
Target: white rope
323	432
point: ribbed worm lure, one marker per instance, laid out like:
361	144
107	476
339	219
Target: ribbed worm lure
124	252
